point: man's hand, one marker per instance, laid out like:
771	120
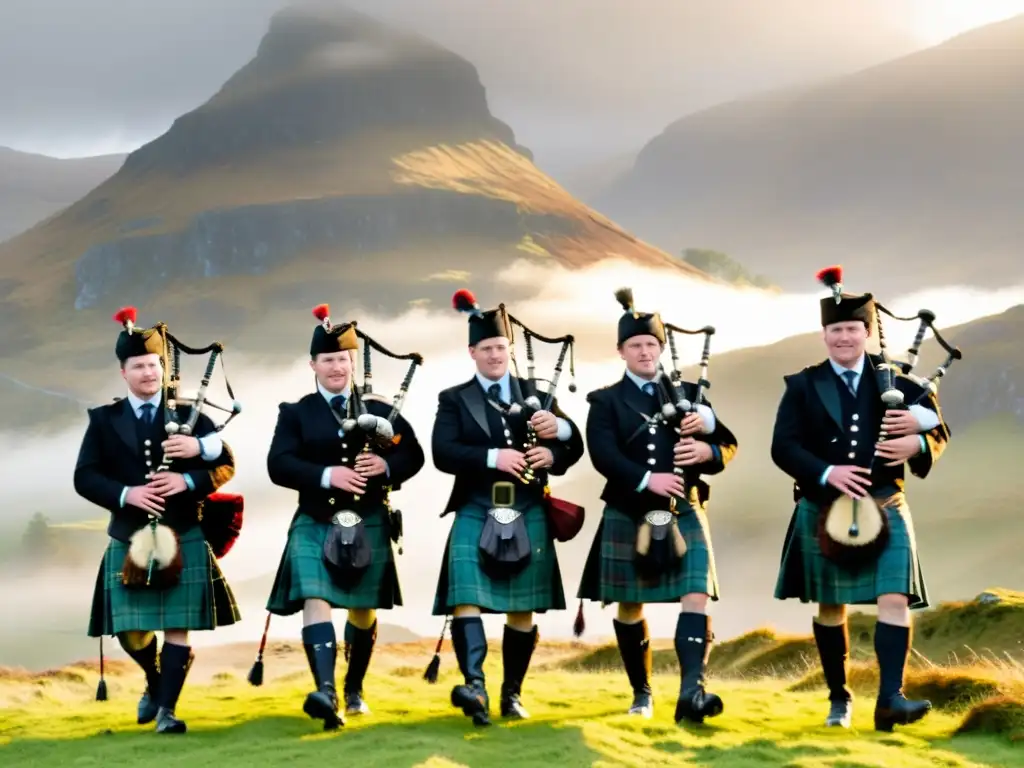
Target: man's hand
665	484
689	452
545	425
167	483
692	424
144	497
511	461
370	465
851	480
540	457
347	479
899	423
180	447
898	449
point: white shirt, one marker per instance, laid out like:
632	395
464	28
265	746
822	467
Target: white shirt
564	429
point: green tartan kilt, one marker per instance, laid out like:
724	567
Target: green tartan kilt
537	588
610	575
302	575
805	573
202	598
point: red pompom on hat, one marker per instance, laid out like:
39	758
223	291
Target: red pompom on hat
464	301
126	315
321	312
830	276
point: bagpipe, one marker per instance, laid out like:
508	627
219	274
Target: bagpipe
658	541
154	557
565	517
346	553
854	532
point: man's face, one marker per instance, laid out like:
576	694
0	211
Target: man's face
491	357
845	341
144	375
333	370
641	354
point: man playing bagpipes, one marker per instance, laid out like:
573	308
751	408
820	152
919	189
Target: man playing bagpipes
500	555
652	438
344	450
155	464
843	432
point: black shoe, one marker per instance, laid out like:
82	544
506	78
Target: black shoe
323	705
696	704
354	704
470	644
147	708
899	711
841	714
166	722
643	705
473	701
511	706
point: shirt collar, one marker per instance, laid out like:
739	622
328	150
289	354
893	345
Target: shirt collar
328	396
137	402
858	368
503	382
640	382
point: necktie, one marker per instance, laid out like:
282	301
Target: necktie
338	404
148	409
495	392
649	388
850	377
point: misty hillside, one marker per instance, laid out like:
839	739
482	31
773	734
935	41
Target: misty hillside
341	142
910	171
33	187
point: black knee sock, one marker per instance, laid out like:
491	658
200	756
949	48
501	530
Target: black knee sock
634	642
321	648
834	649
692	641
145	657
516	651
470	644
892	645
175	661
360	643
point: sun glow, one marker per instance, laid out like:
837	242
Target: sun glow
938	20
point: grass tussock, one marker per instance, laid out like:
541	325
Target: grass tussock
1003	715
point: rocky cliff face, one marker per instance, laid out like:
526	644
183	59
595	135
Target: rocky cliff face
341	139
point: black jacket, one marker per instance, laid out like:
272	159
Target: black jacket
306	441
464	431
112	456
809	435
615	417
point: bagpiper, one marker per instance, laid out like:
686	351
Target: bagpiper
843	434
500	555
653	438
344	452
158	572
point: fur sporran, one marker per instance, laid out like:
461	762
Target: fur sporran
347	553
659	544
154	559
853	532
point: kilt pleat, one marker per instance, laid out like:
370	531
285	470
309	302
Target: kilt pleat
302	575
201	600
806	574
610	574
462	581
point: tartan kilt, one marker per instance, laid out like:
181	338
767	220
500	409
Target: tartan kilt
610	575
202	598
537	588
806	574
302	575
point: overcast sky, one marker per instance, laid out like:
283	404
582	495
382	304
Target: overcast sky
573	78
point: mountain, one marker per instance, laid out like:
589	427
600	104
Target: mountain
909	169
346	158
33	187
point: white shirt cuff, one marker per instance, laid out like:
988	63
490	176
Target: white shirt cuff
325	478
708	417
564	430
492	458
927	419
